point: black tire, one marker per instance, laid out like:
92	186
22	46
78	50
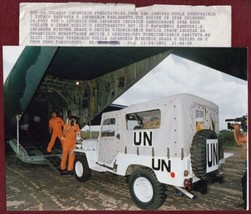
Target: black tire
198	152
146	191
82	171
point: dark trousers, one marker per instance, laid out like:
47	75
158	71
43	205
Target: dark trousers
244	188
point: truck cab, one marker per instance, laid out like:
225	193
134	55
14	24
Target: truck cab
170	141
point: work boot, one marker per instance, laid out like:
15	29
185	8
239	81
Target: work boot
63	171
70	172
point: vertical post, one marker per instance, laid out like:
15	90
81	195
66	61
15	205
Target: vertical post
18	118
90	131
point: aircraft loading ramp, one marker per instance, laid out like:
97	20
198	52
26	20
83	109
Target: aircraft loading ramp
32	153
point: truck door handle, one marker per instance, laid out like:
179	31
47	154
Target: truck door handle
118	136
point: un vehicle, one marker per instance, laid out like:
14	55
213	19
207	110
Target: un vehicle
171	141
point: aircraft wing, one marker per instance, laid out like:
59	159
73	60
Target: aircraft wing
232	61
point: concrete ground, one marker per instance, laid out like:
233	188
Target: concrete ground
34	187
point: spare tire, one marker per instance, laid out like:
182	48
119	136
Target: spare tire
198	152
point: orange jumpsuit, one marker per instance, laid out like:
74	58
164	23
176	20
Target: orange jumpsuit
69	142
55	124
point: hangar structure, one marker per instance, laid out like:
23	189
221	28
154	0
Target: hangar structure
84	81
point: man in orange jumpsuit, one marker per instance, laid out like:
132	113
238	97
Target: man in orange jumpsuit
55	125
69	141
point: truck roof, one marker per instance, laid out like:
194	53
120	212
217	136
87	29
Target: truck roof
178	99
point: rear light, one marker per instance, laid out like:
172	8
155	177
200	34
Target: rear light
188	184
186	173
172	174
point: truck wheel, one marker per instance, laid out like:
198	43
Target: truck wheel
146	192
198	152
82	171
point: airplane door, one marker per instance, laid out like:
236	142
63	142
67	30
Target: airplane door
109	141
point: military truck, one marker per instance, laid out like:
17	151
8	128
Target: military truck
166	142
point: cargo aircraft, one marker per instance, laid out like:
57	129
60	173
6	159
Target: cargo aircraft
85	81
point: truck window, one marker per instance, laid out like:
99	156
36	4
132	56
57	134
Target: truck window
143	120
199	118
108	127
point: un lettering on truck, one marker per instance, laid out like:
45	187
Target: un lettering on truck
212	155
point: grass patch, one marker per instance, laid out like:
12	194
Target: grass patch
86	135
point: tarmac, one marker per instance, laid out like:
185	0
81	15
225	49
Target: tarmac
39	188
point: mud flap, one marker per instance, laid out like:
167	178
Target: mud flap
200	186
